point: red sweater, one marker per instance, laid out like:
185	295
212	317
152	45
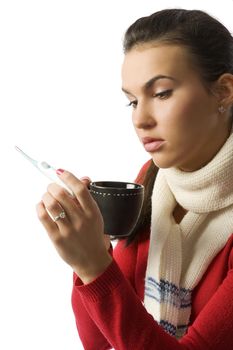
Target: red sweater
109	312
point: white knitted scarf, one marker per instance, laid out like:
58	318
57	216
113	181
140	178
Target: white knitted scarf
179	254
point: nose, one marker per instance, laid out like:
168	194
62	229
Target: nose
143	116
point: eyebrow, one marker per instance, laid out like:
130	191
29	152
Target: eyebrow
150	82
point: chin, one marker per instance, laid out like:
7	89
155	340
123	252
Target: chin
164	162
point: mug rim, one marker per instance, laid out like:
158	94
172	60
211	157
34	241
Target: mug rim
95	184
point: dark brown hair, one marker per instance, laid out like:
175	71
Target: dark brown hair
211	48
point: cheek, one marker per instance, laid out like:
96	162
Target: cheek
186	115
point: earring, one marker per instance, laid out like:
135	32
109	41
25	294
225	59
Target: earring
221	109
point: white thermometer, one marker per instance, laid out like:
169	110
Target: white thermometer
46	169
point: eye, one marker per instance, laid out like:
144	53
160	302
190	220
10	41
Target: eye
163	94
132	104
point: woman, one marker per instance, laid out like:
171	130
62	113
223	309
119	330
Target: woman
170	284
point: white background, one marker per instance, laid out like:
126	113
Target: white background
60	101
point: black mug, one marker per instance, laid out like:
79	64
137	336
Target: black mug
120	204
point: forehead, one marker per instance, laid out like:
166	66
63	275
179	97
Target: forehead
145	61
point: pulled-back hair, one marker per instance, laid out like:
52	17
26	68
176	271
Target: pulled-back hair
210	43
211	47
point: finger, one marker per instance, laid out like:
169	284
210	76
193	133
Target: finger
54	209
80	190
69	204
46	221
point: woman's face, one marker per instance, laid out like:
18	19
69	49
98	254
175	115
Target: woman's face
174	115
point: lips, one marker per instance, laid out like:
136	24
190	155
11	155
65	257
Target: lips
151	144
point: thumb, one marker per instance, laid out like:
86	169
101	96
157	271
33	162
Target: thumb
86	180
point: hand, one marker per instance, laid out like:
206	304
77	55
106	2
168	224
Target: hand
79	237
107	240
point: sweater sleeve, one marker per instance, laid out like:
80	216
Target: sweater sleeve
121	317
89	333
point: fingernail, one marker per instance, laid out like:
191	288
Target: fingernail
59	171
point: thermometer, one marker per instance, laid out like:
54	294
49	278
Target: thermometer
46	169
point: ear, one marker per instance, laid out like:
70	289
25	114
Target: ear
223	90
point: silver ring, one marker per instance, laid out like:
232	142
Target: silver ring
62	215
